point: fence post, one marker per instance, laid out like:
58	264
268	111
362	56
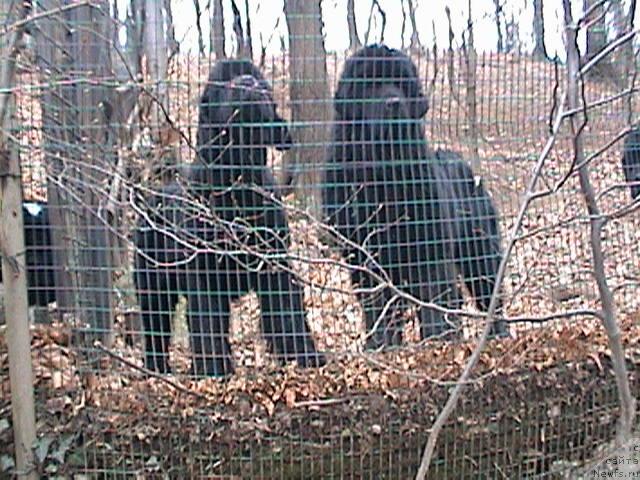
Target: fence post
13	259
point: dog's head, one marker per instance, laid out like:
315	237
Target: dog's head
380	84
238	101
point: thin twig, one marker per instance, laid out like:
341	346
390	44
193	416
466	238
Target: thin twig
148	372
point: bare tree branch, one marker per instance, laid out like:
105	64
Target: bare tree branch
456	393
609	317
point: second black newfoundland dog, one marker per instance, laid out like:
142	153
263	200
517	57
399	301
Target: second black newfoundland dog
222	232
390	198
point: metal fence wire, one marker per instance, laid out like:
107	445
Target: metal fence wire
266	258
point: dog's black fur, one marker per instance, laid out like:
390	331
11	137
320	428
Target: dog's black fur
631	161
239	225
386	195
41	289
479	246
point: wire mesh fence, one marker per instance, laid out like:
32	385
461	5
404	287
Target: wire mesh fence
279	265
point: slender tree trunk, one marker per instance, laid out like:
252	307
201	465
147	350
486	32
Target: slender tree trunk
630	60
403	29
173	44
415	44
17	336
539	49
354	39
383	15
512	35
369	23
196	5
50	38
133	47
597	33
622	24
309	93
156	52
249	39
498	13
217	36
471	94
608	314
596	41
79	151
238	30
451	74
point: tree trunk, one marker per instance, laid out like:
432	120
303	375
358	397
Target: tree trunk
196	5
173	44
597	33
596	41
238	30
383	15
539	49
50	35
133	48
623	58
369	23
470	54
415	44
403	29
155	48
217	37
512	35
498	13
354	39
619	18
248	41
629	57
309	93
597	222
79	155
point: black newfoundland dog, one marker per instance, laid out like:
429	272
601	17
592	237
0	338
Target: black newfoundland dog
392	200
231	235
631	161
